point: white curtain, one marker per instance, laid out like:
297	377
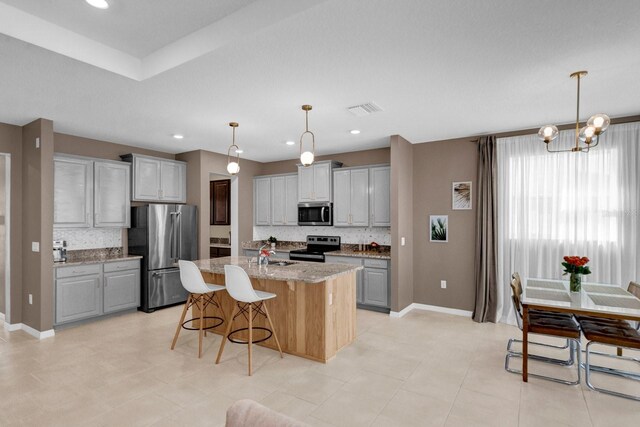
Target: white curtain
556	204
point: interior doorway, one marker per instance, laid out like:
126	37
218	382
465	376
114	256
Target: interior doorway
5	252
222	211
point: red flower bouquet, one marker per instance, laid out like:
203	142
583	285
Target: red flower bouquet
575	266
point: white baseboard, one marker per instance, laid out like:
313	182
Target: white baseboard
1	317
12	327
28	329
36	333
401	313
438	309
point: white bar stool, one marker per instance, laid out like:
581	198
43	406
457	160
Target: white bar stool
247	300
201	295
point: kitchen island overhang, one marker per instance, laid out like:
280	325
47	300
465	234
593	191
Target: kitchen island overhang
314	313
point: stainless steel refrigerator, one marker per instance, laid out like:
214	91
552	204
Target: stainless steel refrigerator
163	234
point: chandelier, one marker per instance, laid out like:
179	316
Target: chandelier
233	165
307	157
585	137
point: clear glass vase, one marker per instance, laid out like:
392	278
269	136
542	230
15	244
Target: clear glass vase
575	282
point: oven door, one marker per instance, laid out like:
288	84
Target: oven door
315	214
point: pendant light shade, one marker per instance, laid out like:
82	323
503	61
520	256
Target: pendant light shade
233	164
307	156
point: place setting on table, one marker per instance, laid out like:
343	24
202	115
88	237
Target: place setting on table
573	308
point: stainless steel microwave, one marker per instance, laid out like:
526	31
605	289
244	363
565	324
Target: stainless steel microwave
315	213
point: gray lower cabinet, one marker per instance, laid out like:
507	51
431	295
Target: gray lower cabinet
92	290
372	283
121	290
78	298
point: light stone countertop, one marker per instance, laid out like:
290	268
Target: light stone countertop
299	271
254	245
357	254
219	245
96	260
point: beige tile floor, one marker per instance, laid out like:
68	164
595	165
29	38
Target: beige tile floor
425	369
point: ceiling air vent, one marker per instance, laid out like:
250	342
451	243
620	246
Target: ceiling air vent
364	109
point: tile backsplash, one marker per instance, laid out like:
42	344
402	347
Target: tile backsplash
89	238
356	235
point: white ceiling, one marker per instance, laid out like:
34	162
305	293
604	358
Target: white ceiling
138	27
439	70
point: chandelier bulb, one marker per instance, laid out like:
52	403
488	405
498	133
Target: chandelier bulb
548	133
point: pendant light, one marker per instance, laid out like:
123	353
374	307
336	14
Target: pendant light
307	157
596	125
233	165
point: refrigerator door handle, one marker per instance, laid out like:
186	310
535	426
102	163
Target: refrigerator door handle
172	243
178	235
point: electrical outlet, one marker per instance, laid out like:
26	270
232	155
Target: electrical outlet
443	284
331	299
35	246
402	241
31	299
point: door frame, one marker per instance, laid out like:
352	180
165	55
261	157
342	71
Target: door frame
7	241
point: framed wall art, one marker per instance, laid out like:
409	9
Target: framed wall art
461	196
439	228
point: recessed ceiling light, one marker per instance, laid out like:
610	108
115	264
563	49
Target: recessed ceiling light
354	131
100	4
239	151
178	136
290	143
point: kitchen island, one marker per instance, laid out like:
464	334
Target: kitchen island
314	313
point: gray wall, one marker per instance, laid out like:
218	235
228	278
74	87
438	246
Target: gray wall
436	165
402	274
200	165
37	208
356	158
11	142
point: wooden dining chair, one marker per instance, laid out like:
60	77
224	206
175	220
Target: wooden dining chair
516	289
549	324
620	336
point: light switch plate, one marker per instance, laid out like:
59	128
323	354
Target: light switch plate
443	284
35	246
37	142
402	241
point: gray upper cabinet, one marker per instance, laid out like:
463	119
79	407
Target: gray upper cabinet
112	202
284	200
341	197
73	192
146	182
315	182
351	198
278	200
305	184
173	186
157	180
322	182
262	201
291	203
380	199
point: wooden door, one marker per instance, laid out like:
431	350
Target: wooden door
220	192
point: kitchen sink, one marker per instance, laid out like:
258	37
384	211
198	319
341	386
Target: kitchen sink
281	263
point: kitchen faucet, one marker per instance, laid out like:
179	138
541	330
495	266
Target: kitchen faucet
262	258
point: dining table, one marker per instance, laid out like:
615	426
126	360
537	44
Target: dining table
594	299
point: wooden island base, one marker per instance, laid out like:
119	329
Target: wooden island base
312	320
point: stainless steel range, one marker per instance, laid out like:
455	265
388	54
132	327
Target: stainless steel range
317	246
